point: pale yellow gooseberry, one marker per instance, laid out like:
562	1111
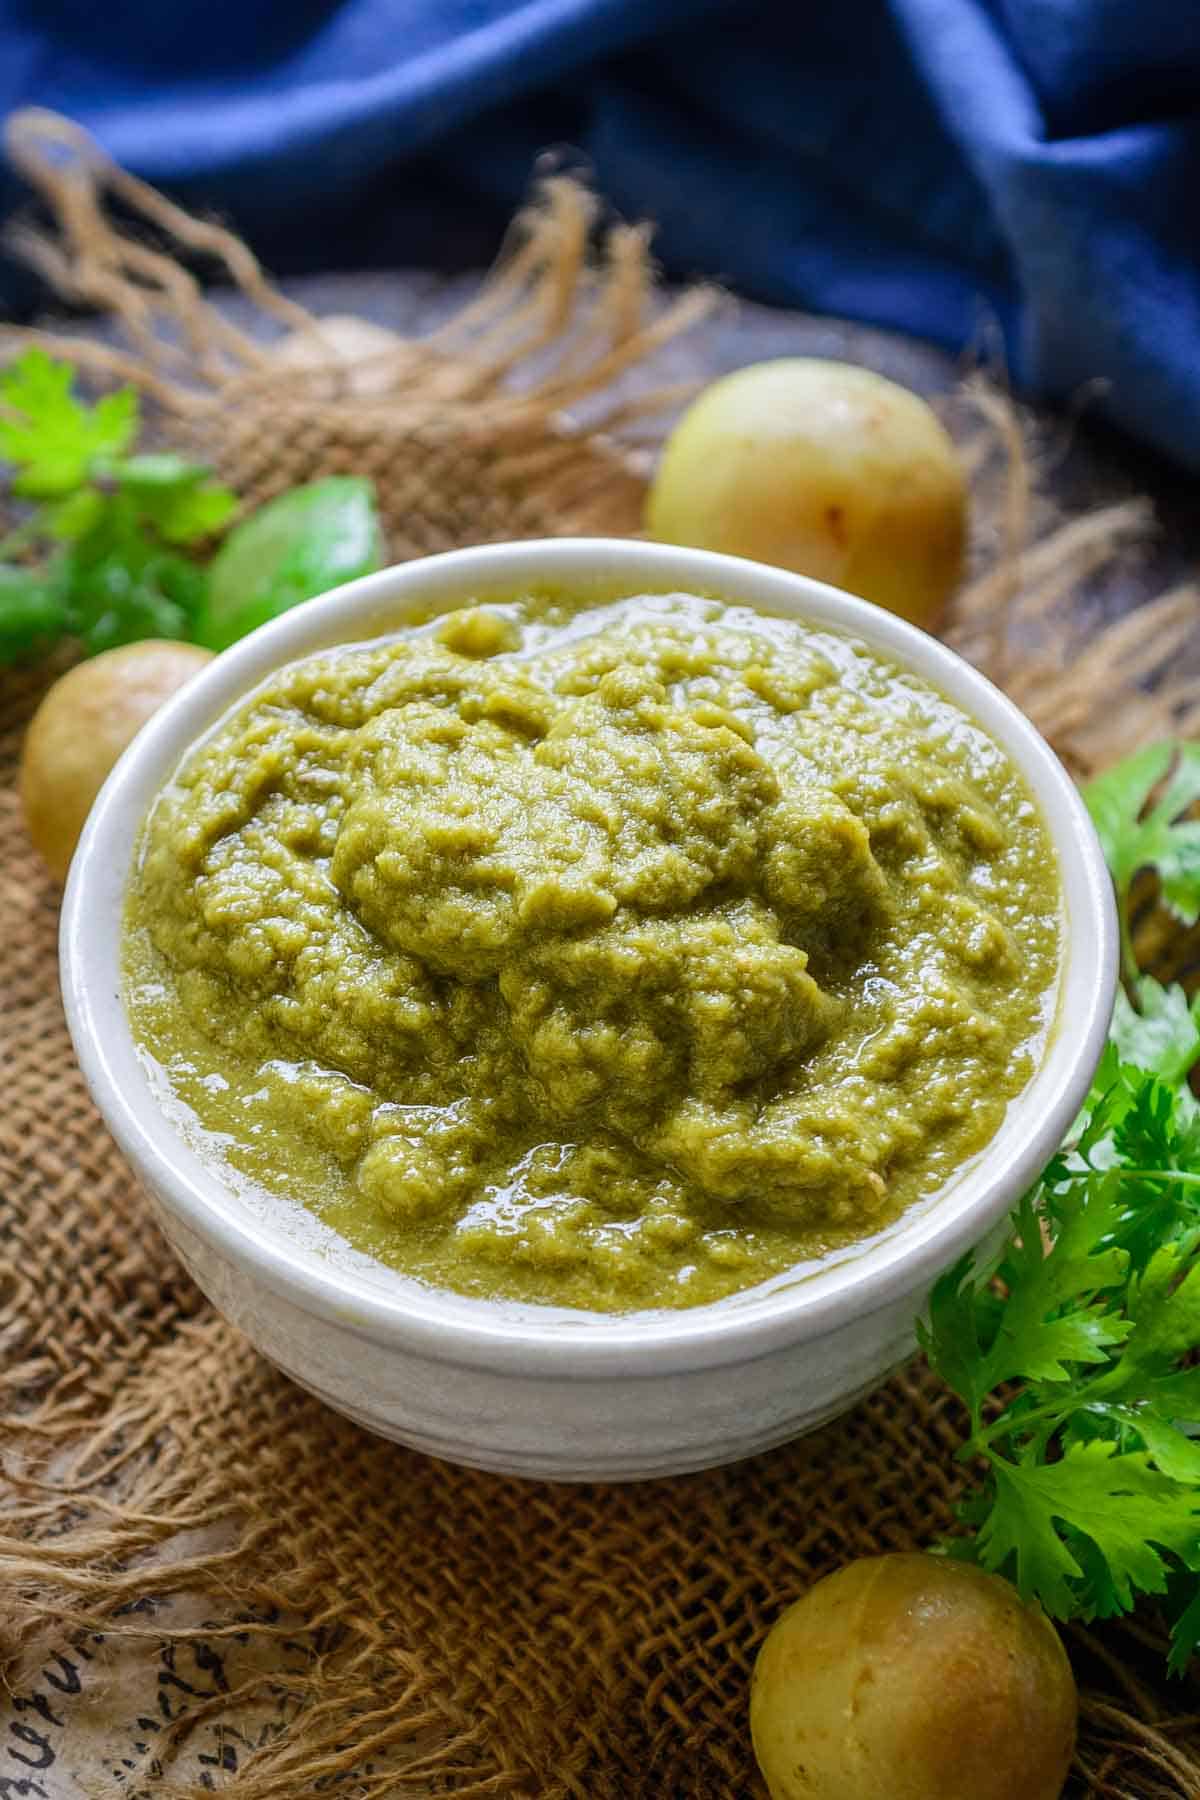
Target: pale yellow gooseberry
913	1677
823	468
80	729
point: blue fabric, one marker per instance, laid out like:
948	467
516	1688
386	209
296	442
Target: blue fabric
930	165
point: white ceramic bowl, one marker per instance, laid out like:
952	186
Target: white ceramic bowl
536	1391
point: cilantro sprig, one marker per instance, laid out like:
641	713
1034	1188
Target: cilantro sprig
49	435
99	557
1075	1349
1138	809
109	549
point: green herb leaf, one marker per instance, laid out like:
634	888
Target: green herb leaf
1168	1448
1116	800
123	584
1137	835
123	517
962	1323
1185	1633
49	435
1053	1319
1162	1308
1092	1494
1075	1350
1019	1537
1128	1511
32	612
175	496
153	469
73	517
1163	1035
290	550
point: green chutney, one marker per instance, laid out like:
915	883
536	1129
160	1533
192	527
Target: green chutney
610	954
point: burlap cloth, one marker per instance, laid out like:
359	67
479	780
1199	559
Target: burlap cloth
208	1578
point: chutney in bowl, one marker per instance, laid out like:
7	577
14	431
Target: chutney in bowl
671	1029
600	952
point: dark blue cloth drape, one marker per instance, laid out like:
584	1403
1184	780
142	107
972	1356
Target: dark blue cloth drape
923	164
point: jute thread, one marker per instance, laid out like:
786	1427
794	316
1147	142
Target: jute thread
408	1627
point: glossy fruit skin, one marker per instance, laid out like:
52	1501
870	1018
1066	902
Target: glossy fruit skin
913	1677
80	729
824	468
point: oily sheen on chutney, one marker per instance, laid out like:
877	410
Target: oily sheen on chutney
607	955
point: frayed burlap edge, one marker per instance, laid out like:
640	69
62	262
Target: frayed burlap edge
586	1643
499	390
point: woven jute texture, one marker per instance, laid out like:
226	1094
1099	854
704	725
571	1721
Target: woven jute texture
408	1627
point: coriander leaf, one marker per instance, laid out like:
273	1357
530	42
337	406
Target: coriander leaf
117	517
1164	1306
1019	1538
123	584
51	436
1050	1319
115	602
74	516
175	496
1185	1633
1169	1449
1128	1511
1117	801
1143	1133
1133	1114
1156	1138
1183	784
193	513
1163	1312
962	1320
32	611
1163	1035
152	469
1148	1130
1145	1391
1109	1098
1179	873
1092	1494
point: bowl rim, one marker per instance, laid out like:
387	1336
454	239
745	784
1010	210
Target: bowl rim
446	1327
